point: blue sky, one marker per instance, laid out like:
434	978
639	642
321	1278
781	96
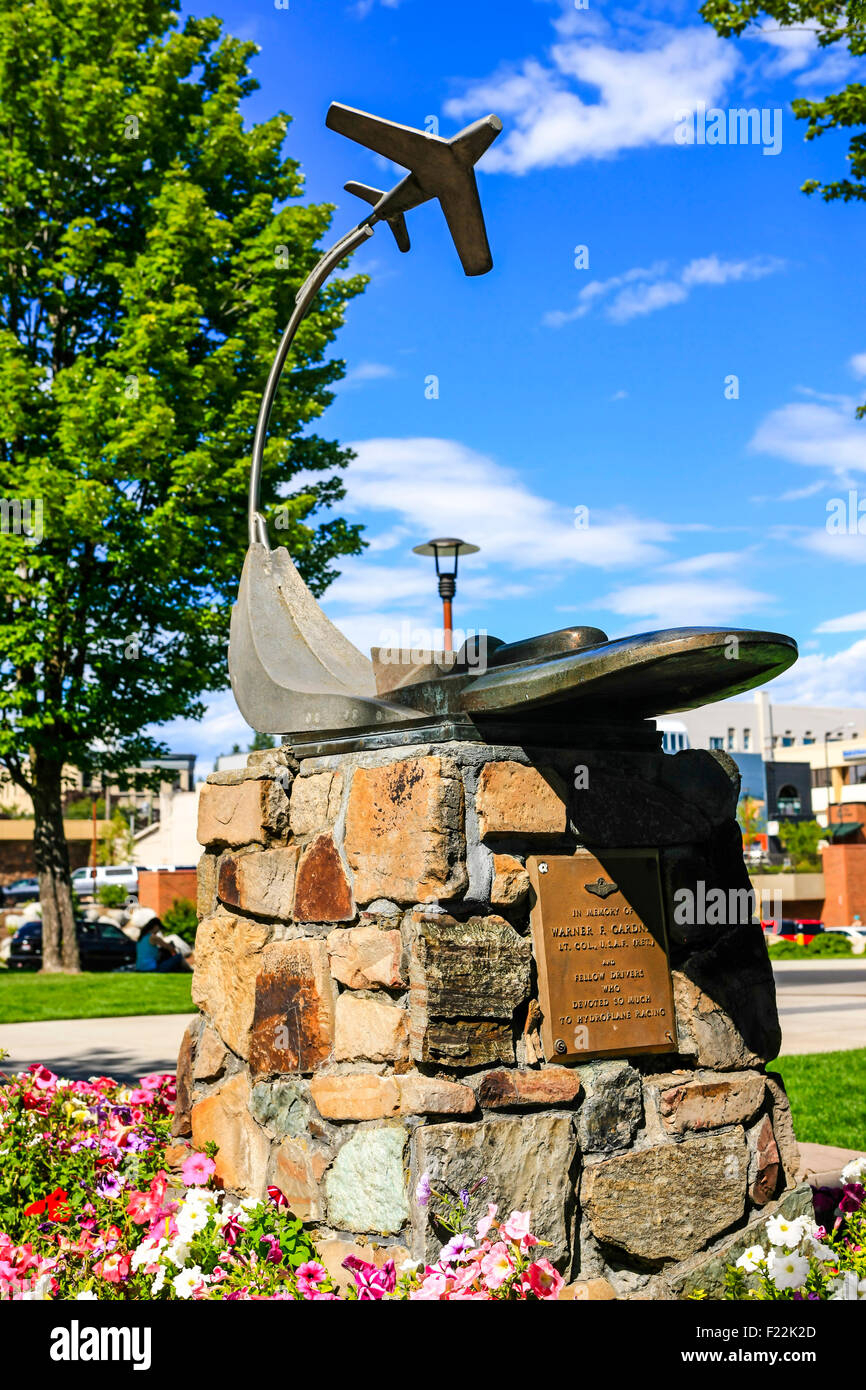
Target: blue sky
601	387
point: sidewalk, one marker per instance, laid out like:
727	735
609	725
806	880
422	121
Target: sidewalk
124	1048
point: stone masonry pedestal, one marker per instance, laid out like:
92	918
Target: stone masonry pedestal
368	1006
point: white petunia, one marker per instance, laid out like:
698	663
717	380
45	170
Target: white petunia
158	1280
177	1252
781	1231
187	1281
855	1171
148	1252
86	1293
818	1251
750	1258
787	1270
191	1219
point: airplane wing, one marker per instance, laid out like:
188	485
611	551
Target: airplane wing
462	208
471	143
398	142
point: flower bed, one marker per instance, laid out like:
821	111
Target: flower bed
96	1202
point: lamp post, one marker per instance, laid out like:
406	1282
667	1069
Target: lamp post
839	733
446	548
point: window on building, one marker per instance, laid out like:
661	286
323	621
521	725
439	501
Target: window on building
717	743
858	773
732	740
821	777
788	801
787	739
747	740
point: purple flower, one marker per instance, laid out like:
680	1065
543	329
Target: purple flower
464	1197
274	1254
458	1245
423	1191
852	1199
110	1185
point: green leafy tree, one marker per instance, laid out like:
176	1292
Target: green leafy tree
262	741
151	245
800	839
833	22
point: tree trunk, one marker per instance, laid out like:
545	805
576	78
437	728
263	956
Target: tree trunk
59	940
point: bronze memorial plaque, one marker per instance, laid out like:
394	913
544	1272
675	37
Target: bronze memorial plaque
599	938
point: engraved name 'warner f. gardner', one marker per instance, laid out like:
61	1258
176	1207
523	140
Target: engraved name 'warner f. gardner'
603	972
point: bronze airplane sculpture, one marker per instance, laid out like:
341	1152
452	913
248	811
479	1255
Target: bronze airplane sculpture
293	672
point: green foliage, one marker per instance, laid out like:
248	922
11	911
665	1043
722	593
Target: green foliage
27	997
111	895
826	1093
151	245
182	919
827	944
83	809
800	839
750	815
261	741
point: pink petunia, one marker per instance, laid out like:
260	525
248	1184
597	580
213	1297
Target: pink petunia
497	1265
197	1169
486	1222
544	1280
516	1228
312	1272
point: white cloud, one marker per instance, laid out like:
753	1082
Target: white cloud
857	363
364	373
837	547
702	564
849	622
817	435
439	486
643	290
676	604
363	7
816	679
640	81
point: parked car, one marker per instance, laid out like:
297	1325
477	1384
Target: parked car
101	946
23	890
86	882
791	928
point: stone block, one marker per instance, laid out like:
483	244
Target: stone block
211	1056
293	1024
465	981
528	1165
281	1107
250	813
404	832
429	1095
261	882
708	1102
206	884
517	1089
228	952
297	1170
725	1002
180	1126
510	881
612	1109
315	802
366	957
515	800
366	1186
767	1165
322	892
667	1202
588	1291
359	1096
224	1119
783	1126
370	1030
706	1271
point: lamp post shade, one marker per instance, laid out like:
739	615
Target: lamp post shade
446	548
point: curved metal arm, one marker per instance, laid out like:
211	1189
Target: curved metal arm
258	530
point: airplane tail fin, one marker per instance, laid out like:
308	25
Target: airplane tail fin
374	196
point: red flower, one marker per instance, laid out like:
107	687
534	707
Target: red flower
278	1198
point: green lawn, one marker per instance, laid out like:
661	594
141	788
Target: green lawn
26	997
828	1096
